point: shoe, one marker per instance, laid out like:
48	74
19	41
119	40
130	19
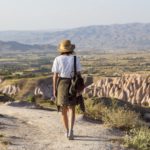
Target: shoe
66	134
71	136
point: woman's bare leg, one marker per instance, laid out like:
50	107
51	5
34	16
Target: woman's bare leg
65	117
72	116
71	121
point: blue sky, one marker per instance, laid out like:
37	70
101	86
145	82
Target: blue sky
60	14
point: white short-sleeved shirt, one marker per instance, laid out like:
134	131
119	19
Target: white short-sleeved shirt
64	65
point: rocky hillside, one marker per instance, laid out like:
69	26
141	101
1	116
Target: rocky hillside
133	36
23	88
133	88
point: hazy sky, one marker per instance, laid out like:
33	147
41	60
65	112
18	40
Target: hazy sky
51	14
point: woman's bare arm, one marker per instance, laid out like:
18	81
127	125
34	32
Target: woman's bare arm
55	77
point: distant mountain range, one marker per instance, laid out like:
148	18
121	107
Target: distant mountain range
15	46
135	36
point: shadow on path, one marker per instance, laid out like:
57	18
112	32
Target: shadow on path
87	138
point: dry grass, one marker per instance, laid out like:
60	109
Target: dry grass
94	111
1	135
3	142
138	138
121	118
113	115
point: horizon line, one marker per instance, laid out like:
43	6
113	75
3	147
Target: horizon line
69	28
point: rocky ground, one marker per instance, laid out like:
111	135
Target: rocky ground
24	128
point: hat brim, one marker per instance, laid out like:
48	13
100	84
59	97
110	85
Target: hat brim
66	49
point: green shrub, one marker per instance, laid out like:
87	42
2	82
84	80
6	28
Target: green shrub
121	118
78	110
94	111
138	138
112	115
31	99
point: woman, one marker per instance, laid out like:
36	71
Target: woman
63	69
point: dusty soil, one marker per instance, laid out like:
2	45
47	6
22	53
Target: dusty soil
26	128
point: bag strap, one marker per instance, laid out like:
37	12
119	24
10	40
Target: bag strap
75	67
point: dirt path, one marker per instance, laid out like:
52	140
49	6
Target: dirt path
34	129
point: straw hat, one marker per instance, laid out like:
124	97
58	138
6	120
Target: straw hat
66	46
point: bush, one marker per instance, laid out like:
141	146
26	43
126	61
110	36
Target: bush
31	99
138	138
112	115
121	118
78	110
93	111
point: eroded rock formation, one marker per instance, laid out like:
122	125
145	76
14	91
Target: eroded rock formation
25	87
45	91
133	88
10	90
